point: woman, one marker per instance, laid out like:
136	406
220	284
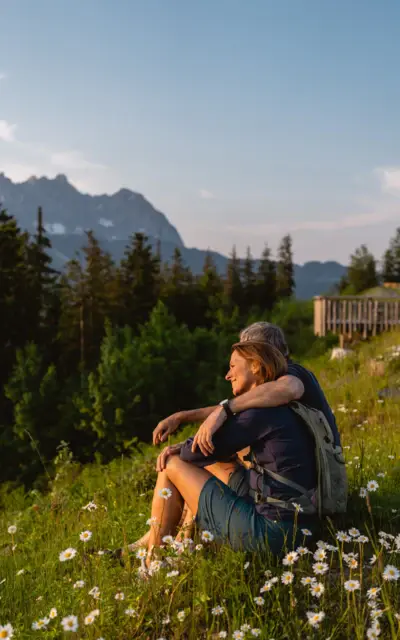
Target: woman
227	499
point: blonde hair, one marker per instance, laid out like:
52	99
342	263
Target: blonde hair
271	362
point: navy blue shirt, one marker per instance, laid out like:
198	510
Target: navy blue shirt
281	442
313	395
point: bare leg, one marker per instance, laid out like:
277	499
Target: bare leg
185	481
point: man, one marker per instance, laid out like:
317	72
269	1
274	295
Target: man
298	384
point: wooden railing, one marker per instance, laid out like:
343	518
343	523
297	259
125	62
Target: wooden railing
355	315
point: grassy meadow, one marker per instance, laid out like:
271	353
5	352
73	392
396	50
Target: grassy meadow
345	585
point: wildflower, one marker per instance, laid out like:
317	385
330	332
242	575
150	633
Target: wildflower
259	600
181	615
85	536
266	587
168	539
354	532
68	554
363	492
90	618
6	631
53	613
151	521
376	614
217	611
95	593
70	623
287	577
315	619
308	580
155	566
246	565
222	634
79	584
373	633
119	596
40	624
245	627
391	457
290	558
100	552
130	612
11	530
90	506
317	589
373	559
255	632
342	536
373	592
352	585
320	568
306	532
21	572
391	573
207	536
381	474
141	553
362	539
165	493
198	547
372	485
302	551
238	635
320	555
166	620
172	574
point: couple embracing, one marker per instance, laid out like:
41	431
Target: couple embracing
262	466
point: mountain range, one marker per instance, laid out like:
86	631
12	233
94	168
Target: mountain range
113	218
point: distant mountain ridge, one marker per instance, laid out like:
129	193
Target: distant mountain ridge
113	218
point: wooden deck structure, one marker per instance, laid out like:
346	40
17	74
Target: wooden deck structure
350	316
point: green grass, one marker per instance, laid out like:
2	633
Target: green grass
47	523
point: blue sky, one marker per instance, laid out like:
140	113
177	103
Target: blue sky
241	120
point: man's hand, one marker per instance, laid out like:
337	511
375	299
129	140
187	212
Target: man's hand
166	427
172	450
203	437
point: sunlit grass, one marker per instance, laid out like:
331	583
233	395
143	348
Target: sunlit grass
322	591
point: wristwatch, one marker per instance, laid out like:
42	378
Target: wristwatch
226	407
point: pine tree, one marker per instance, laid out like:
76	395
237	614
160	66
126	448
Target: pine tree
179	290
266	281
391	260
285	283
210	289
139	281
233	292
361	274
249	283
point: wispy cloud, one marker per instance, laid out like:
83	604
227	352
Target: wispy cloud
390	179
206	195
7	131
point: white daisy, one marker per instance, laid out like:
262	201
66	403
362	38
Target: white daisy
90	506
53	613
70	623
317	589
373	592
95	593
308	580
6	631
290	558
173	574
306	532
130	612
79	584
168	539
320	568
391	573
315	619
362	539
302	551
181	615
151	521
119	596
223	634
39	624
68	554
141	553
352	585
89	619
165	493
255	632
11	530
85	536
372	485
217	611
354	532
237	635
363	492
21	572
259	600
319	555
287	577
207	536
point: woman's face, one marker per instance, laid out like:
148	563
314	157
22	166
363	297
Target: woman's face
241	374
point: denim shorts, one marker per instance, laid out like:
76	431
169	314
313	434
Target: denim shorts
229	513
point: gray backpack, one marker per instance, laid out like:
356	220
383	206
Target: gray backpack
330	494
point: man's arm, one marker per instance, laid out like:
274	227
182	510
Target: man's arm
269	394
169	425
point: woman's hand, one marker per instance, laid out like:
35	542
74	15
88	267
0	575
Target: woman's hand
203	437
166	427
172	450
